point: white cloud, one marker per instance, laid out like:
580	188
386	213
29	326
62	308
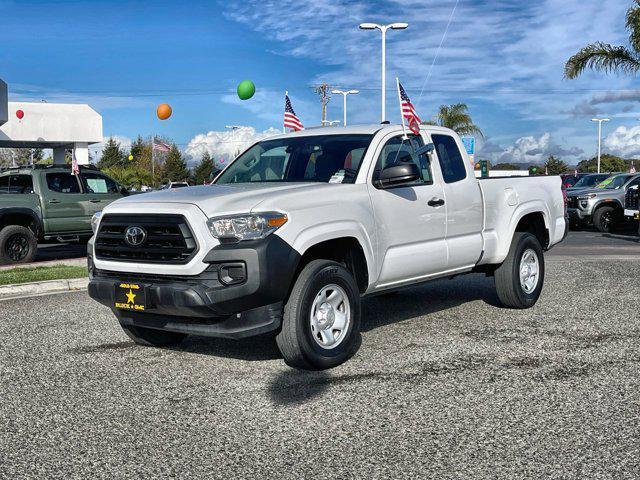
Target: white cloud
95	150
224	145
624	141
528	149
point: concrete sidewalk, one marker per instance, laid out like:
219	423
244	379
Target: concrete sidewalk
22	290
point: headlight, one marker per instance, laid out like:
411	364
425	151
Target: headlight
246	227
95	221
587	197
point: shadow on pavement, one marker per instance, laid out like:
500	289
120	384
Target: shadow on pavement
250	349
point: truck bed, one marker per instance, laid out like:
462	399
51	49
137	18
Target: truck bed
507	199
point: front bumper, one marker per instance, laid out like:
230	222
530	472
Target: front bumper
211	303
577	215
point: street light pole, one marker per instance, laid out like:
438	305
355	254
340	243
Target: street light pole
599	120
383	29
344	94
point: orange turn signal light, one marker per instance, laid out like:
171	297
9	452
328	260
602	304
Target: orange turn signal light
277	221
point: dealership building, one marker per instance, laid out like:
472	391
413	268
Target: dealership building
58	126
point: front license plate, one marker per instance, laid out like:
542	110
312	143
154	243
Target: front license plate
130	296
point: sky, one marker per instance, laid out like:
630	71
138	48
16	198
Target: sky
503	58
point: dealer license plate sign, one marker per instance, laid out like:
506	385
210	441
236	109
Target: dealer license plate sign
130	296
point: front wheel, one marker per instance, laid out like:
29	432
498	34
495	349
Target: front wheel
520	278
18	244
605	219
321	321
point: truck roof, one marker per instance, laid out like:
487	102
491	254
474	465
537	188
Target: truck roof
369	129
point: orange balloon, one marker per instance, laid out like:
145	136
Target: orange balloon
164	111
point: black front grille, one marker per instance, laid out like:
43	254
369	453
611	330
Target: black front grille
168	239
632	199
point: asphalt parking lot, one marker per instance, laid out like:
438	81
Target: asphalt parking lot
445	385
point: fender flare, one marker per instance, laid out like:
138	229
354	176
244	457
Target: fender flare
522	210
33	214
323	232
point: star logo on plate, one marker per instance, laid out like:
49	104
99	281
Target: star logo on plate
131	296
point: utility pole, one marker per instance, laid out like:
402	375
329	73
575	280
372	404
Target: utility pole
324	91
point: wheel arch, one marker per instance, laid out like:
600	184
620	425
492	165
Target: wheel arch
25	217
344	246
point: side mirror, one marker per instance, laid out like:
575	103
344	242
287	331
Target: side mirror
124	191
398	174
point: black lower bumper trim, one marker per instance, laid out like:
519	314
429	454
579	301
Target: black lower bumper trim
252	322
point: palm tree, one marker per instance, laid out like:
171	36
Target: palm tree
457	118
603	57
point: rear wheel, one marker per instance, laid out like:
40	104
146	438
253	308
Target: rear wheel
321	322
150	337
605	219
18	244
520	278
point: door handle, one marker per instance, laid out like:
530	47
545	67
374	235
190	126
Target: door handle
54	201
95	200
435	202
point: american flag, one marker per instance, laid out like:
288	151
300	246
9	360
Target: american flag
160	146
290	118
75	168
409	112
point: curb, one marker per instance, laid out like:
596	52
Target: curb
24	290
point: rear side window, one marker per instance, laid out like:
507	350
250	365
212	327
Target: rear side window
96	183
451	161
16	184
62	182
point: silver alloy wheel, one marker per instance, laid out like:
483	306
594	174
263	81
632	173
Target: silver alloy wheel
529	271
330	316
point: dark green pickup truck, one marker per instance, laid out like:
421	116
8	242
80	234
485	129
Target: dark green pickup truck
49	204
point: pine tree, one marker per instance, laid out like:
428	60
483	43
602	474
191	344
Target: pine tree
203	170
555	166
137	149
175	168
111	155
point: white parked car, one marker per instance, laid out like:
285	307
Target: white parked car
300	227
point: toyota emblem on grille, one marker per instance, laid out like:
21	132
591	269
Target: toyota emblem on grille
135	236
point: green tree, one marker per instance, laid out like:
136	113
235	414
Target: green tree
608	163
112	155
555	166
175	168
505	166
457	118
604	57
536	170
137	149
203	169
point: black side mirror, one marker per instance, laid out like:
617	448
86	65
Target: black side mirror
124	191
398	174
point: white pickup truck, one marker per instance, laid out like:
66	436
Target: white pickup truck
293	233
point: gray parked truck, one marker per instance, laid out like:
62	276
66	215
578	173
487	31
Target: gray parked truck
602	206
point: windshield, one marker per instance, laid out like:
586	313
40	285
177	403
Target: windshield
614	183
317	158
590	180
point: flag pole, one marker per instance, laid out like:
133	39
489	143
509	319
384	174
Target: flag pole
153	161
286	94
404	129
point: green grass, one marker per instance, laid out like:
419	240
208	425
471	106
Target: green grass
39	274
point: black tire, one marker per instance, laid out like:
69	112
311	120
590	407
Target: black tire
296	338
507	276
150	337
606	219
18	244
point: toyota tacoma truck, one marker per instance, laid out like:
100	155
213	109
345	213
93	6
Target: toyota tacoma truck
47	204
300	227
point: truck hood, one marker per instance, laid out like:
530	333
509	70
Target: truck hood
600	192
221	199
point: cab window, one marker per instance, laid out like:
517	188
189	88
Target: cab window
20	184
400	149
62	182
450	158
97	183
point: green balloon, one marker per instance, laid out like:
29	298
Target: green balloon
246	89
